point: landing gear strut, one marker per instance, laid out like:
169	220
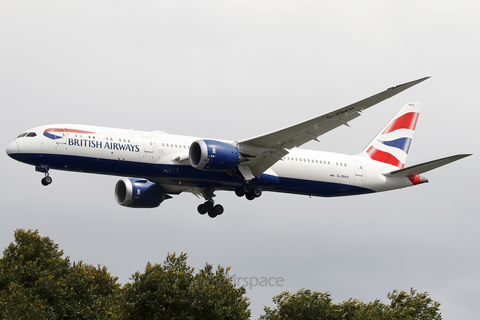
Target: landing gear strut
44	168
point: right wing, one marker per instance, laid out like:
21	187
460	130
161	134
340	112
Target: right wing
264	151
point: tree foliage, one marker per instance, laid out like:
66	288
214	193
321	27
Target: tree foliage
174	291
37	282
306	304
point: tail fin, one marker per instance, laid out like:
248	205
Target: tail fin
391	145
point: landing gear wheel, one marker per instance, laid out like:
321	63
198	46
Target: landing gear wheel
250	196
208	205
47	180
212	213
256	191
201	209
218	209
239	191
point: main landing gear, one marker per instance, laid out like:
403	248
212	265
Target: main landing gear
250	192
47	179
211	208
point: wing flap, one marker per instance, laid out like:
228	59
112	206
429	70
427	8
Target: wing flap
261	163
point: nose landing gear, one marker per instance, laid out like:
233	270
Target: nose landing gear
44	168
47	180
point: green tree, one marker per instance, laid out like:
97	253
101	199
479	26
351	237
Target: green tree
174	291
413	305
37	282
306	304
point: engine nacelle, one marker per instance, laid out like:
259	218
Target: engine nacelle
213	155
138	193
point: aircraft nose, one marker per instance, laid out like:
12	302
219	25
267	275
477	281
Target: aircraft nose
12	150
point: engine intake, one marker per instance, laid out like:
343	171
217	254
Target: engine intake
213	155
138	193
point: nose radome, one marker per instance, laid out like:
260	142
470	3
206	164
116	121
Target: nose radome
12	150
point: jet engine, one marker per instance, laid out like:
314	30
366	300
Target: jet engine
214	155
138	193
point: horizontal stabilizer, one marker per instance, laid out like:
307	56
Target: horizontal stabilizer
424	167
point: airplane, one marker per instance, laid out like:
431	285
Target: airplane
156	165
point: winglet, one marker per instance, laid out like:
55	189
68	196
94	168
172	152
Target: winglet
405	86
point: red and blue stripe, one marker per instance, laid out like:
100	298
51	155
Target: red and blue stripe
51	132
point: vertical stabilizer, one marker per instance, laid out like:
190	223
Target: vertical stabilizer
391	145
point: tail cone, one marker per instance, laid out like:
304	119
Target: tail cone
417	179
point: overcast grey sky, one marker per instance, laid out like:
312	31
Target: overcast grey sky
237	69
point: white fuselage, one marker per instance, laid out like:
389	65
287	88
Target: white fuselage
163	158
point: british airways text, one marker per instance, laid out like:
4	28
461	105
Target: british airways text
102	145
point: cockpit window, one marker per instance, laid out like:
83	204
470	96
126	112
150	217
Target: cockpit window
27	134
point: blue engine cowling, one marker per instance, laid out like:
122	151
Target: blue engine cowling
213	155
138	193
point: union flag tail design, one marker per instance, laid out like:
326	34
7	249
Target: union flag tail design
391	145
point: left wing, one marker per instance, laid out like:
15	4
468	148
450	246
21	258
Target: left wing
264	151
